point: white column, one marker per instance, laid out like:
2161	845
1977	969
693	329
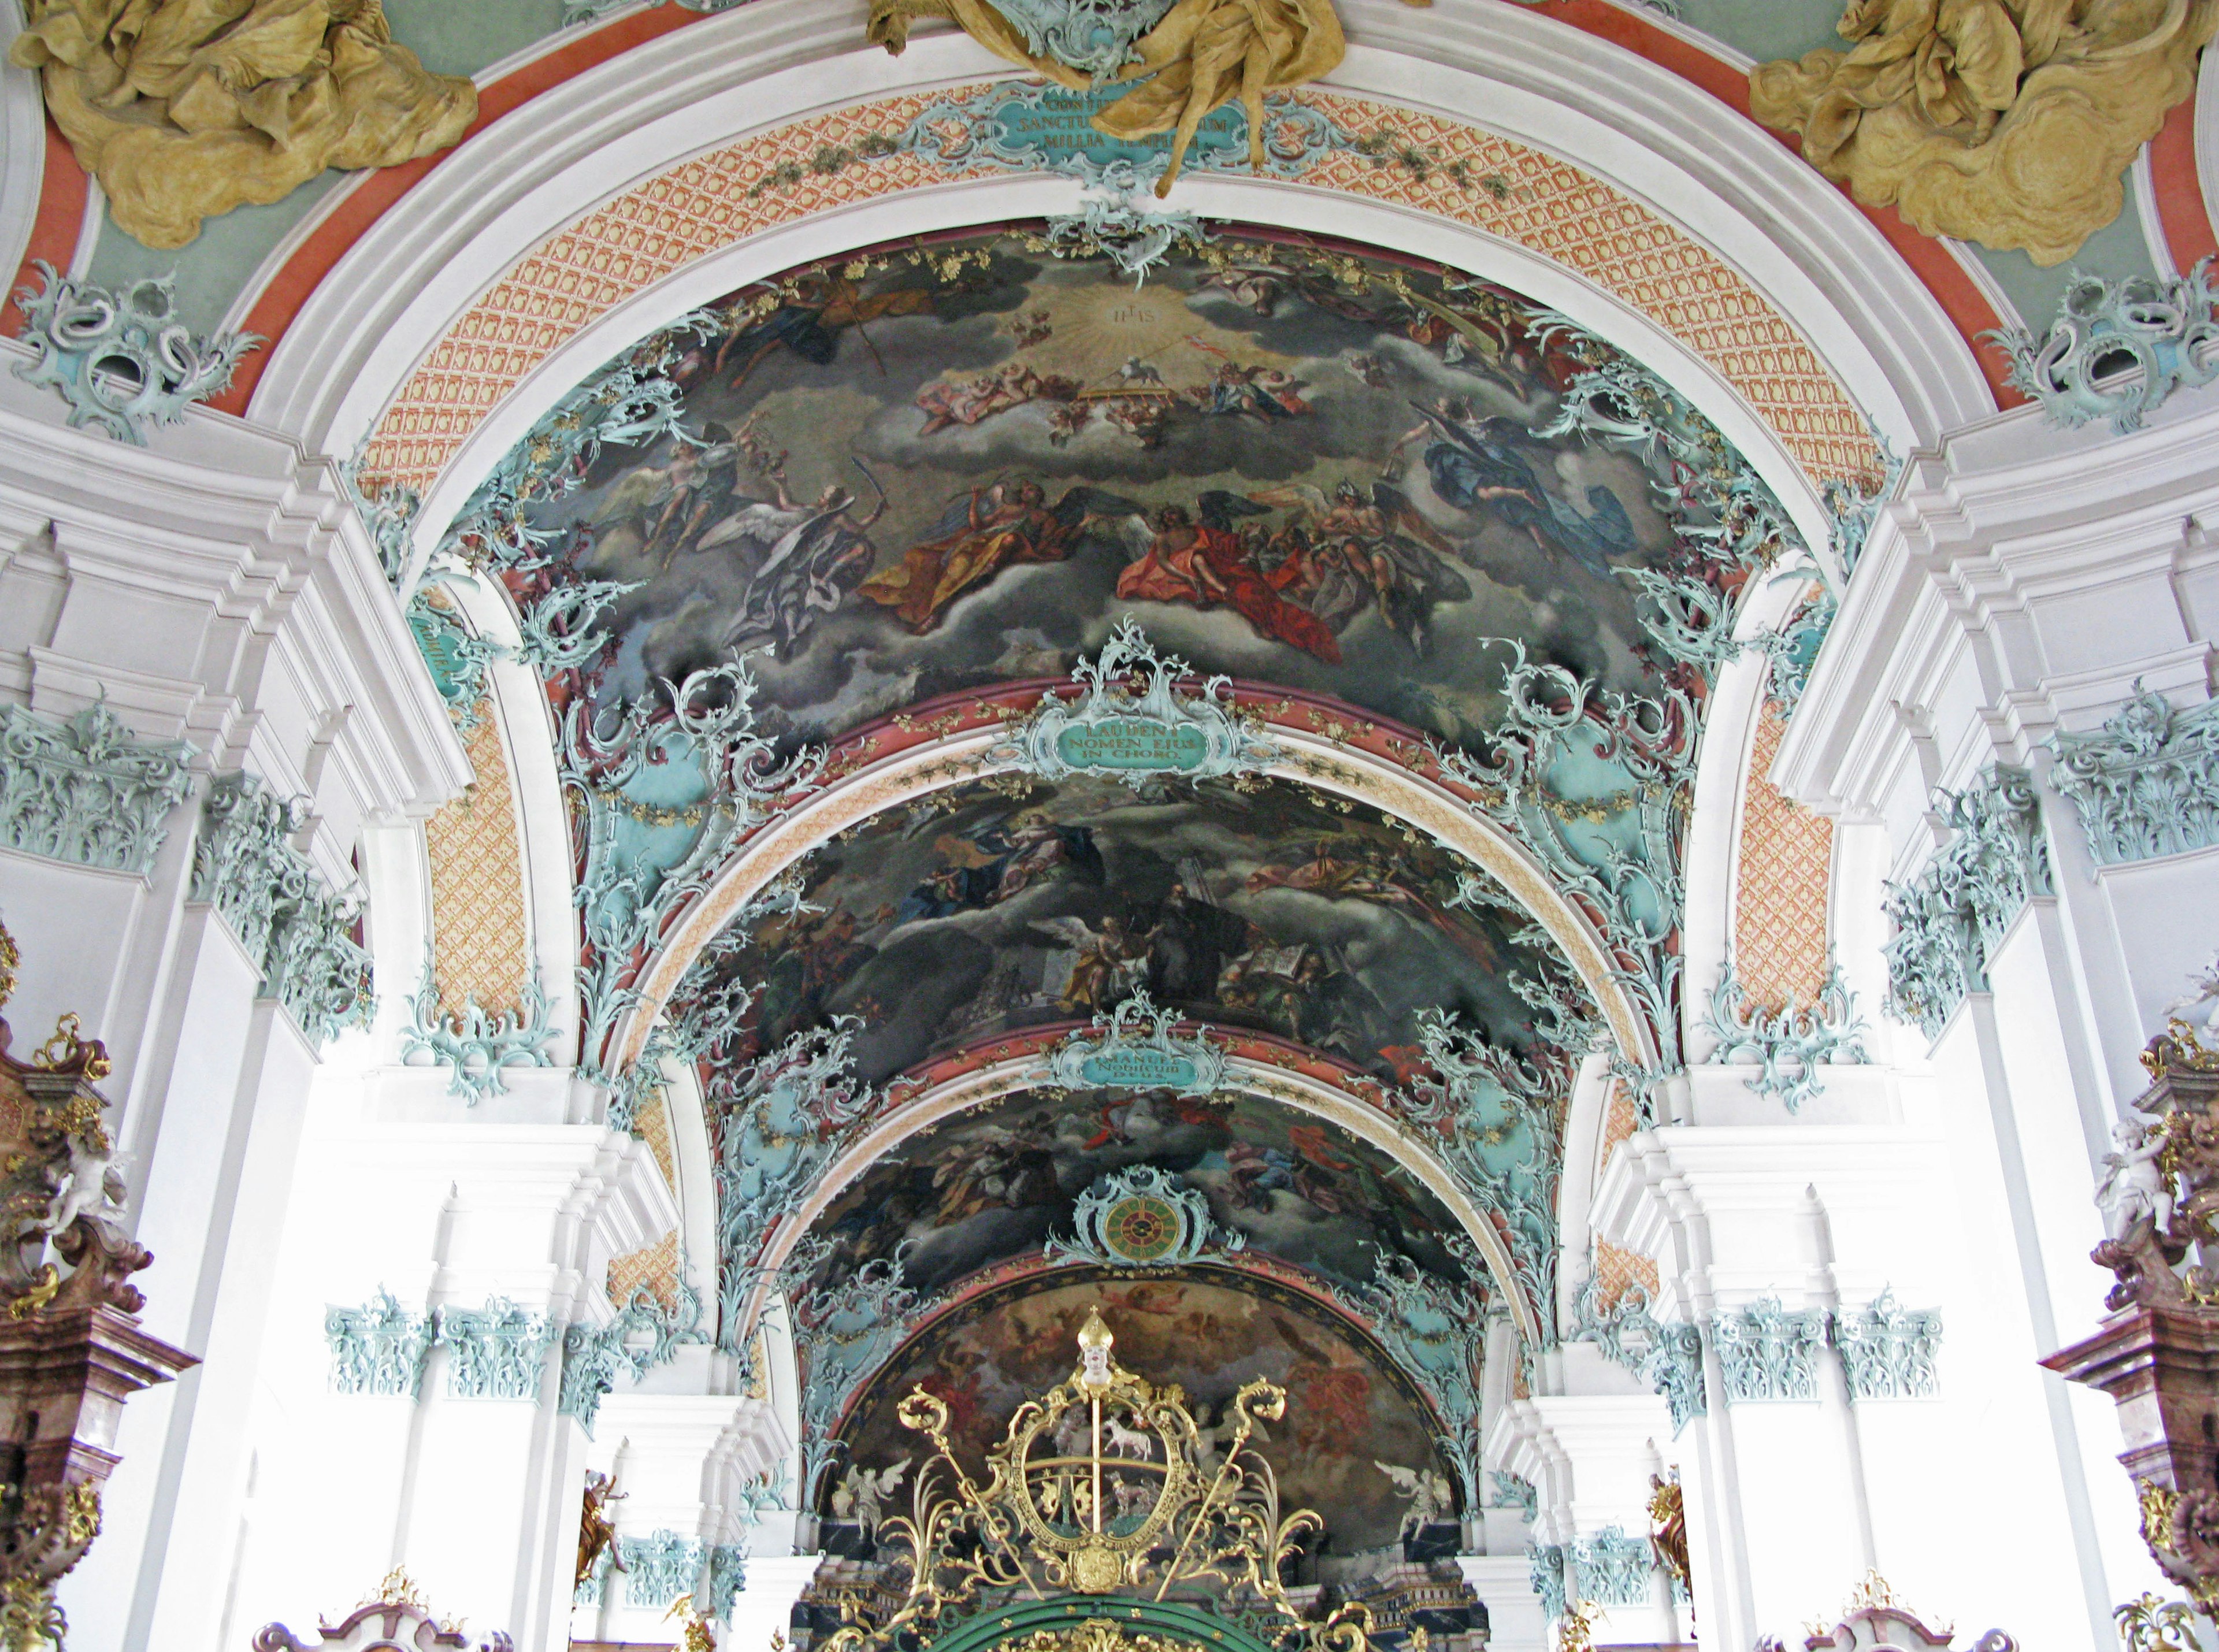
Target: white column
212	587
478	1497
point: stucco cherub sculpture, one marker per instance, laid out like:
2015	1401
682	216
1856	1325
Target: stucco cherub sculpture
2008	122
186	108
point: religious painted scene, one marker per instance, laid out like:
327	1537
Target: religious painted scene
1108	826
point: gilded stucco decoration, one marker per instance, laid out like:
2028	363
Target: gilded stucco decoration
1193	58
2007	123
186	108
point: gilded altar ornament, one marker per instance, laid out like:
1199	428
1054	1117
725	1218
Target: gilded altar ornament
186	108
1668	1523
2007	123
1103	1485
1188	59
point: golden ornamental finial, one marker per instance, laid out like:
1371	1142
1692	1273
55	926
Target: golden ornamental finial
10	958
397	1589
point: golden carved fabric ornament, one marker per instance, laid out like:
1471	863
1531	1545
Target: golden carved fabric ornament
186	108
2007	123
1204	54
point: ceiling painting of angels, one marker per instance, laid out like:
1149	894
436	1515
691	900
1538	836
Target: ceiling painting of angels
927	470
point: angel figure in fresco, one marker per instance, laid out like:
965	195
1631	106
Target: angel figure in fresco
1265	392
1207	565
1331	1388
1474	461
666	505
1426	1497
979	535
800	561
1107	964
1382	541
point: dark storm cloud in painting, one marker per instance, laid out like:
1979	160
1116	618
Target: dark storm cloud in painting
1345	1412
922	479
976	911
999	1182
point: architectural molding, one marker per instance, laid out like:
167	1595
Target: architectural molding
84	791
472	1045
512	187
1791	1044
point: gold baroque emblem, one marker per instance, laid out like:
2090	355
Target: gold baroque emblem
1105	1484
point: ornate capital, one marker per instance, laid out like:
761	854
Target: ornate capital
86	790
379	1348
1950	916
1766	1352
495	1352
296	932
2147	783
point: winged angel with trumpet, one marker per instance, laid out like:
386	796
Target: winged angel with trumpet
1101	1485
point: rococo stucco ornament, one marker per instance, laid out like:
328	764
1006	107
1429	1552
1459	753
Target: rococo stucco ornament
2007	123
1184	60
186	108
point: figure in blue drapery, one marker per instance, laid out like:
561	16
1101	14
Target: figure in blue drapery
1473	462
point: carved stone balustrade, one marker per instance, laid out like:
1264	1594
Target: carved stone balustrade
2158	1355
71	1350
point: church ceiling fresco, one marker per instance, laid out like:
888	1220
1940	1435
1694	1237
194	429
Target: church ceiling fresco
822	533
975	912
1348	1409
927	474
1003	1180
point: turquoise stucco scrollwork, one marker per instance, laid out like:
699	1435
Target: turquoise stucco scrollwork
2147	783
86	790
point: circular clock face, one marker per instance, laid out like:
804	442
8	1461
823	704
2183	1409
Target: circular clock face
1141	1228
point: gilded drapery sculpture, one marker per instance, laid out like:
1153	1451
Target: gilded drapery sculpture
2007	122
1193	58
186	108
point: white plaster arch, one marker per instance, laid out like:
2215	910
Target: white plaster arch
1592	104
983	1084
1308	759
22	149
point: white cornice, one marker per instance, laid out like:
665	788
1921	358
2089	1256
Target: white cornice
2005	518
219	583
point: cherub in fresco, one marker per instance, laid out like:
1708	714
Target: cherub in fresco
1265	392
664	504
1475	460
1029	328
980	534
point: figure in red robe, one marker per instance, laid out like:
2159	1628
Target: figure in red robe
1204	565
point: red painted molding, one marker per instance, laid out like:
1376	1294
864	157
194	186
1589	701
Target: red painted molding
2181	212
63	192
280	300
